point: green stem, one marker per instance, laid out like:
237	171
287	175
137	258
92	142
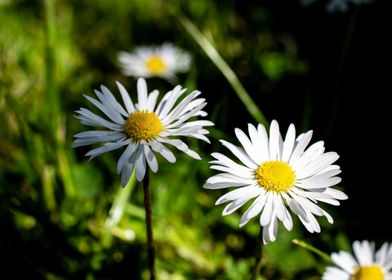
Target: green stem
223	67
258	262
150	238
313	249
51	96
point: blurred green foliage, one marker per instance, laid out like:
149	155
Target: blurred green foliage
65	218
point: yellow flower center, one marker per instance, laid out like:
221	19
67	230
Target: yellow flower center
275	176
155	64
369	272
143	125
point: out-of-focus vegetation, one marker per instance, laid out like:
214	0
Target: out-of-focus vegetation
65	218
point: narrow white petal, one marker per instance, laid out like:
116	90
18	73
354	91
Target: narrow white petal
112	101
126	98
246	143
97	139
165	152
232	206
345	261
240	154
142	94
299	148
253	210
106	148
249	191
126	173
140	166
264	140
274	141
151	160
224	160
288	144
266	215
107	110
322	161
124	158
258	156
152	100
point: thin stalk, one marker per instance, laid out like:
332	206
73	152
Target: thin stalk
219	62
313	249
118	208
258	262
150	238
51	95
52	99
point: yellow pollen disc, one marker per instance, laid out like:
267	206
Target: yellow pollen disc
143	125
155	64
275	176
369	272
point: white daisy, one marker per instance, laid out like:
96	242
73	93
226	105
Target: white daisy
279	175
365	265
155	61
143	127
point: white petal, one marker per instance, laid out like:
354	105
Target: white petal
279	207
345	261
126	98
124	158
126	173
240	154
97	139
264	140
106	148
94	120
245	142
231	207
318	164
107	110
364	252
165	152
318	184
140	166
288	144
152	100
151	160
266	215
337	194
249	192
320	177
299	148
110	100
224	160
274	145
333	273
253	210
258	156
142	94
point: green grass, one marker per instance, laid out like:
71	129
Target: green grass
57	204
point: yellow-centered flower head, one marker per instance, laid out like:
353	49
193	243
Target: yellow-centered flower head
143	125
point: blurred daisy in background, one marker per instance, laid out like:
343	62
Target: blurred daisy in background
142	128
155	61
366	264
279	175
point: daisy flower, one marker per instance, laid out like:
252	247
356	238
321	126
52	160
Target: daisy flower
279	175
365	265
142	128
155	61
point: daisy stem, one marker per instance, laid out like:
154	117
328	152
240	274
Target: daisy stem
313	249
150	239
258	262
221	64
